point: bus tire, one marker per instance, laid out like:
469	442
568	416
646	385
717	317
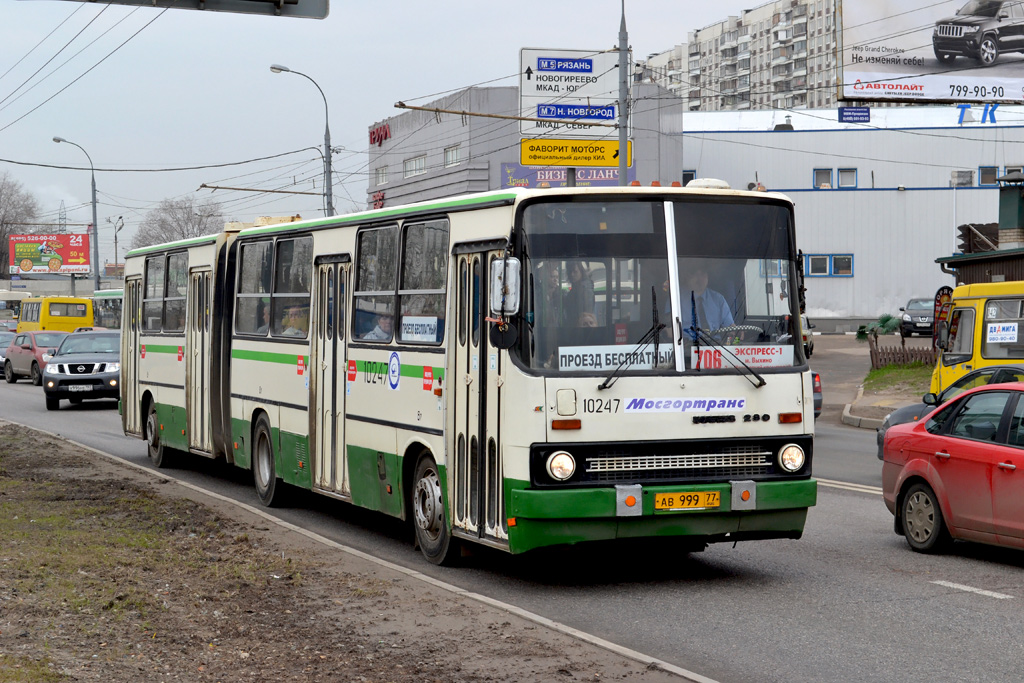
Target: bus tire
9	375
37	375
158	453
269	488
429	521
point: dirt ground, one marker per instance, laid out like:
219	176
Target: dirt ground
109	573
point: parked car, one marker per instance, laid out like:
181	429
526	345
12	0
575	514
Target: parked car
959	472
995	374
8	325
27	355
918	317
817	394
806	327
87	365
981	30
5	340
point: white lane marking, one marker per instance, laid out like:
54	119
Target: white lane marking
972	589
565	629
846	486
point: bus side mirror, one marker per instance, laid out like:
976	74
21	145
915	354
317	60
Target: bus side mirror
943	337
505	278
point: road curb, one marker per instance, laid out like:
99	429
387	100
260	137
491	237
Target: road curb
856	421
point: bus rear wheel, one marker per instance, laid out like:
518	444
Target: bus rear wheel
432	534
158	453
264	471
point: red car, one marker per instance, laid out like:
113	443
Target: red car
958	473
27	355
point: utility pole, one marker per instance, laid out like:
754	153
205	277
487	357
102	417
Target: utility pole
623	97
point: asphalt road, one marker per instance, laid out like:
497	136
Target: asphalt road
847	602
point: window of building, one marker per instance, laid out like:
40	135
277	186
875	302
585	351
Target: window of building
1015	169
823	178
987	175
415	166
452	156
381	175
847	177
828	265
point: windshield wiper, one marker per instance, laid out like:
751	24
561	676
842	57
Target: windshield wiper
699	334
651	335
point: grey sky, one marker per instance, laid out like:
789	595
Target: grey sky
195	89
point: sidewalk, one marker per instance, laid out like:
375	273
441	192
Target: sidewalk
868	411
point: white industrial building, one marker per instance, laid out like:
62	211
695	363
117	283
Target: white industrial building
877	202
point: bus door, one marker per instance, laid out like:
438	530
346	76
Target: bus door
197	368
327	405
131	328
476	480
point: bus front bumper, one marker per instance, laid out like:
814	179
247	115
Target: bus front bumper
746	510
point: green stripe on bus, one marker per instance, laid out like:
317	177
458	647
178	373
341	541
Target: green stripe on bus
269	357
161	348
407	370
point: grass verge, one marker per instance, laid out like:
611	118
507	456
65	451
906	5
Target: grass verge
916	377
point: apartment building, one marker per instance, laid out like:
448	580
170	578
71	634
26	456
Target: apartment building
779	55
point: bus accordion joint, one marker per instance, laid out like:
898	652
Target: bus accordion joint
790	418
566	424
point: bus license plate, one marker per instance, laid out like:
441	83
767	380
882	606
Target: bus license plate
697	500
80	387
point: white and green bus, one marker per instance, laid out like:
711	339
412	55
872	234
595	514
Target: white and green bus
518	368
106	307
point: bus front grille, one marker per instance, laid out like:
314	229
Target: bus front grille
729	463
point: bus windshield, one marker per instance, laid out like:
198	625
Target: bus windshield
598	273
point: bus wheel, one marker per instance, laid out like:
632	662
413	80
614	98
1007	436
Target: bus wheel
37	376
9	375
432	534
158	453
264	472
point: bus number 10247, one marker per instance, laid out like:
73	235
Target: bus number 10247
596	405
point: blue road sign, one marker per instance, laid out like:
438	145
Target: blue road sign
575	111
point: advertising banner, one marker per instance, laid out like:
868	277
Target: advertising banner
57	253
515	175
926	51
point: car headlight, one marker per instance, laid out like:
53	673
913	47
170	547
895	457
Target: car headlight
791	457
561	465
113	367
907	318
46	357
52	369
971	29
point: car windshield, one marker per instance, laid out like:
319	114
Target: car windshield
49	339
920	305
81	344
981	8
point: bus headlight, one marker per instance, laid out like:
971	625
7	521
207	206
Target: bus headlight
791	457
561	465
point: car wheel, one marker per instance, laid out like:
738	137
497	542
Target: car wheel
429	521
264	470
37	376
158	453
921	517
9	375
52	403
988	51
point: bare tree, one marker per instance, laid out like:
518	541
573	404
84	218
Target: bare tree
16	206
178	219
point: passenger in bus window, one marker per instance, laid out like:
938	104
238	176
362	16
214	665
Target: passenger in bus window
296	321
586	319
580	297
384	329
264	317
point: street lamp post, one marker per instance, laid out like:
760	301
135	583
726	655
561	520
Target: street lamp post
328	191
95	226
118	226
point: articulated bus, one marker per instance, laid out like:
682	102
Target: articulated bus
106	304
518	369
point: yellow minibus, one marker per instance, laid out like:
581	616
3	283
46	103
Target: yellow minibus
59	313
